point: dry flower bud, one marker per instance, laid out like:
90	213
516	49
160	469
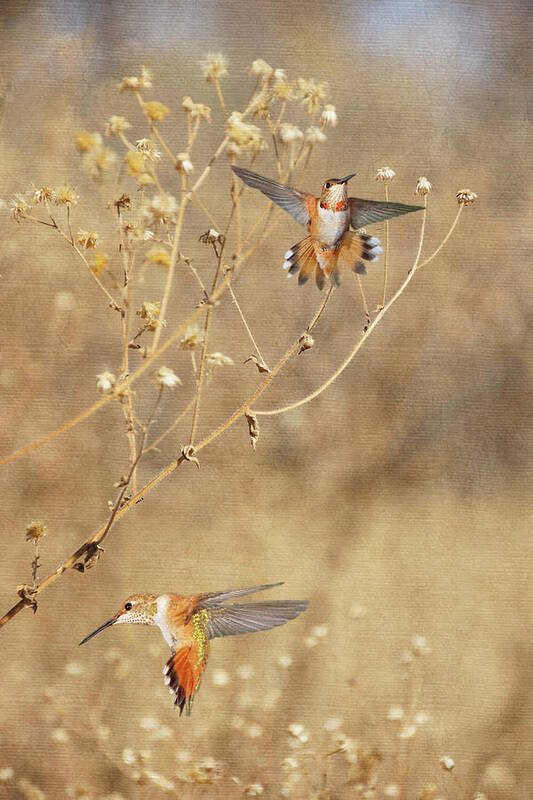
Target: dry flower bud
214	67
407	732
288	133
423	186
466	197
395	713
306	342
116	125
90	240
329	116
184	163
447	763
162	207
261	366
35	530
282	89
196	110
105	382
144	179
6	773
86	141
66	196
167	377
385	174
314	135
155	110
158	255
261	68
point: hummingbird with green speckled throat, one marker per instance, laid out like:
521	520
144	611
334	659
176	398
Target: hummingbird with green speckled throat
331	247
189	623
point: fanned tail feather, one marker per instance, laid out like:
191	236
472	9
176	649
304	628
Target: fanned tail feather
183	674
330	263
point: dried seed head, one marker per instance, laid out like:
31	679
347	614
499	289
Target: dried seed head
218	360
116	125
211	237
98	160
254	790
184	163
385	174
167	377
423	186
329	116
162	207
243	134
148	149
196	110
86	141
19	208
191	338
314	135
214	67
281	89
135	162
136	82
150	313
44	195
311	93
98	263
260	68
90	240
155	111
105	382
466	197
288	133
66	196
158	255
447	763
35	530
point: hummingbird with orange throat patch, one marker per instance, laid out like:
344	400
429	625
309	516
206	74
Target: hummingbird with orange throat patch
189	623
330	247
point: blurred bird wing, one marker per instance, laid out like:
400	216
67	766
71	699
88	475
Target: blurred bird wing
215	599
183	672
251	617
366	212
297	204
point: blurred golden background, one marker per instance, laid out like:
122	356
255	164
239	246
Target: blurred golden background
398	502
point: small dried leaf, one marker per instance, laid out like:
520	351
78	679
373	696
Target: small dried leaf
261	366
28	594
253	428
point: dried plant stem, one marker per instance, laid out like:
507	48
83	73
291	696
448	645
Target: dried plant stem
243	318
121	506
173	260
441	245
363	298
169	430
387	252
360	342
220	97
209	314
124	328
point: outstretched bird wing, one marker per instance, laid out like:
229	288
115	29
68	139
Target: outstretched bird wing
366	212
250	617
215	599
292	200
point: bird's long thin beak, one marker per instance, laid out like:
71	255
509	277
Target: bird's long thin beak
347	178
101	628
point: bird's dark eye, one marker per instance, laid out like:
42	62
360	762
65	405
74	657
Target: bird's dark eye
327	185
128	606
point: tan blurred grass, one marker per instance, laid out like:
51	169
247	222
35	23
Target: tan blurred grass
404	490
